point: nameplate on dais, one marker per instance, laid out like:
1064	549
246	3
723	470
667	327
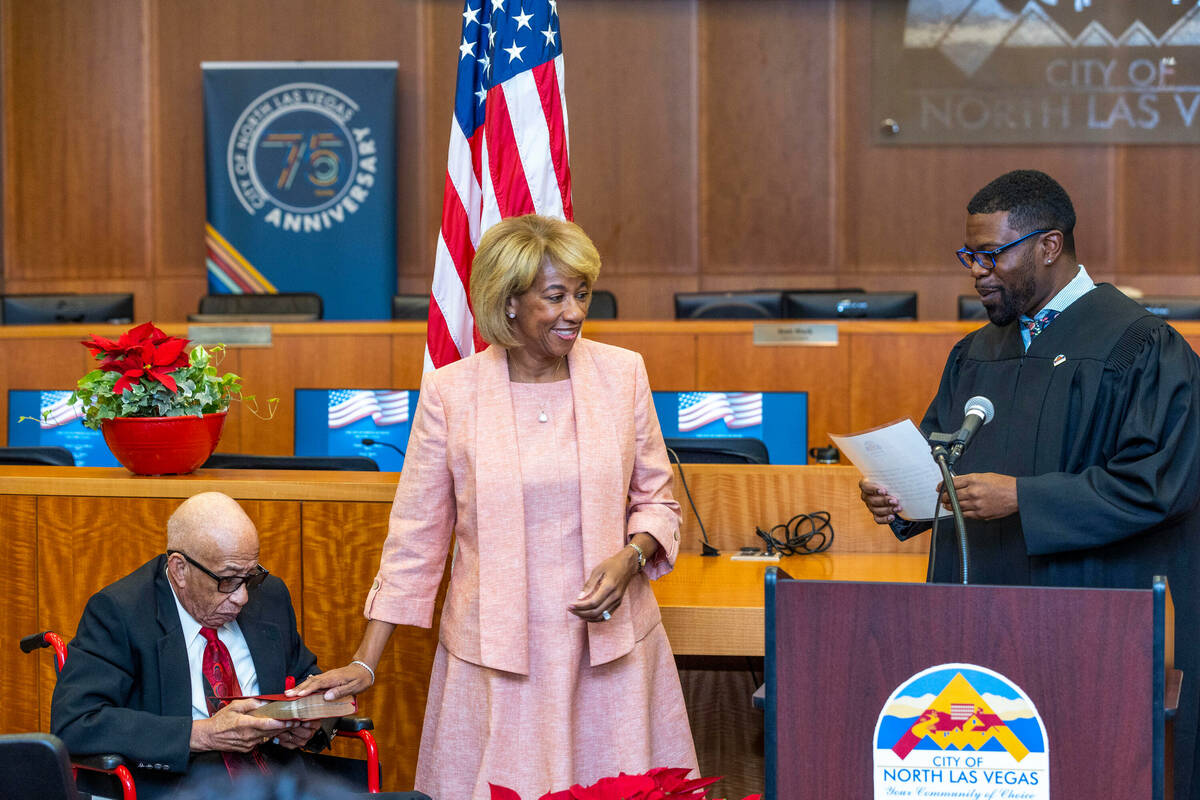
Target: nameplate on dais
231	335
822	334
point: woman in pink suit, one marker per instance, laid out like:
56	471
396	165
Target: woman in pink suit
543	456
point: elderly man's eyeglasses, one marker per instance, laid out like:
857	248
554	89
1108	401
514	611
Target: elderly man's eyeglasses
228	584
987	258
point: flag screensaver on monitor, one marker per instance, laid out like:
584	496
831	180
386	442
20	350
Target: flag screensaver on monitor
61	427
334	422
779	419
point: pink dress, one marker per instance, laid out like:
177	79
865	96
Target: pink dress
565	722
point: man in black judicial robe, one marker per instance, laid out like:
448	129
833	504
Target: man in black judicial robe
1089	474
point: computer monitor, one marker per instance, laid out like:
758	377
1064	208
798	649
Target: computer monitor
62	428
49	309
778	419
850	305
336	422
729	305
1172	307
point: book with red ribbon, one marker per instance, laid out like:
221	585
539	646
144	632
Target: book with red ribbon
313	706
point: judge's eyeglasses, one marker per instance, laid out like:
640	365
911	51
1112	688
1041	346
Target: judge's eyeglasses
987	258
228	584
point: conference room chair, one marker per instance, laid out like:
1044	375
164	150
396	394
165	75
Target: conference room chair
365	771
729	305
970	308
410	306
37	456
604	305
35	765
723	450
251	461
281	307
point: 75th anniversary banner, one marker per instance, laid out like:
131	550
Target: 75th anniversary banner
301	182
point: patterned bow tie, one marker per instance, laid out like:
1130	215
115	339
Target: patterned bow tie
1039	323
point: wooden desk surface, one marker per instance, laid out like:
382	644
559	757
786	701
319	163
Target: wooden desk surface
714	605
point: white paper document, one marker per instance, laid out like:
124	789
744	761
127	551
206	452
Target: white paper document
896	456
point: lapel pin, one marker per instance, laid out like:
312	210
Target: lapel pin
1060	359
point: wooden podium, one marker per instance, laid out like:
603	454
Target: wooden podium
1095	663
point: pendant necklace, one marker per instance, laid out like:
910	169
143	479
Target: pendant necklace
543	416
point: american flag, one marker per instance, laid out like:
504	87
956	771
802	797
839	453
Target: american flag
508	151
351	405
737	409
57	410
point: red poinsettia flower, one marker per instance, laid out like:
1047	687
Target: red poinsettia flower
141	352
633	787
155	362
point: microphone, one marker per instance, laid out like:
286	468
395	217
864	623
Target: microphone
373	442
979	412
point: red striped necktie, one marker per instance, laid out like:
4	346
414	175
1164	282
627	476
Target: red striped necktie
218	671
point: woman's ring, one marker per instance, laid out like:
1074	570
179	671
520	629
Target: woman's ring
606	616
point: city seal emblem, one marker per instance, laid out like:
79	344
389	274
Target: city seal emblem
962	732
297	160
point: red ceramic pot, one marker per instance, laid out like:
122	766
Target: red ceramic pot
163	445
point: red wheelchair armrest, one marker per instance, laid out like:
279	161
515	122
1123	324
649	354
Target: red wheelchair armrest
110	764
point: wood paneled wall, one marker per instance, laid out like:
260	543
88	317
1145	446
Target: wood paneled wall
716	144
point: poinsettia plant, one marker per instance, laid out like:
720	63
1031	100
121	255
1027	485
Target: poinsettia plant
147	373
662	783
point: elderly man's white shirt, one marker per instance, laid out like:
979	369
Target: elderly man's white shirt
239	652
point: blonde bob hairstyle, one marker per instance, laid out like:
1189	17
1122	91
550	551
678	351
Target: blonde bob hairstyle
509	258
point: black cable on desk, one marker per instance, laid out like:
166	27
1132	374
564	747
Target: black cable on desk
803	534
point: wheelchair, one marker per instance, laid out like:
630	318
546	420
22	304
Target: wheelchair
114	765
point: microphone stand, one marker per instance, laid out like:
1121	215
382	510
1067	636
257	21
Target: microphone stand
945	460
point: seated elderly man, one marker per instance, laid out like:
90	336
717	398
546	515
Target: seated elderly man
154	650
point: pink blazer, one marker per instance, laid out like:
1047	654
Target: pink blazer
461	476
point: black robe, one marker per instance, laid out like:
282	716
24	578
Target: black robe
1100	423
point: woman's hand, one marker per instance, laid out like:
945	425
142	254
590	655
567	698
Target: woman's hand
605	587
348	680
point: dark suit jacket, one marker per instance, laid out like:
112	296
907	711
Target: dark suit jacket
125	686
